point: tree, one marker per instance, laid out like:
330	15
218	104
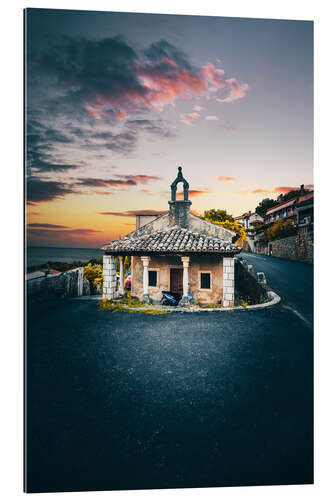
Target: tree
265	205
222	218
217	215
294	193
281	229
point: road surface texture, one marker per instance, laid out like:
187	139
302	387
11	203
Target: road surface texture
131	401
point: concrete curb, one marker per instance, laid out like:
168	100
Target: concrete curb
274	299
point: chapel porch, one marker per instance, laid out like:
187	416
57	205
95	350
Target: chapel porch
207	278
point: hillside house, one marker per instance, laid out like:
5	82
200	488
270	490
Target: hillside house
249	219
295	209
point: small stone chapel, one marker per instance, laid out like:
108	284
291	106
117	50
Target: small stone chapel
177	252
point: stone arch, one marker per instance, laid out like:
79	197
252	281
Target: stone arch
178	179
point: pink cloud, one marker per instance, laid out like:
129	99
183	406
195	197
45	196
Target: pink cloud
213	76
159	87
192	193
255	191
284	189
211	118
236	90
224	178
287	189
163	88
188	118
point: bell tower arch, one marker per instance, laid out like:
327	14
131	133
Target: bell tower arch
179	209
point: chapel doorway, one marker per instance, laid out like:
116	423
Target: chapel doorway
176	281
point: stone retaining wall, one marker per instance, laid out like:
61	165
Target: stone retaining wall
69	284
298	247
247	288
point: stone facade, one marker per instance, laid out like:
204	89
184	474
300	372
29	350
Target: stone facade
214	265
193	223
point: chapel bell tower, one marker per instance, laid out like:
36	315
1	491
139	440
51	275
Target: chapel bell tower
179	209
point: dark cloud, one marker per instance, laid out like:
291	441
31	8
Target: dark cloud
55	136
124	142
133	213
119	180
151	126
62	236
46	226
91	182
141	179
41	142
165	51
77	86
107	77
42	190
56	233
85	66
39	190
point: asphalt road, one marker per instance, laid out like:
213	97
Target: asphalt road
293	281
130	401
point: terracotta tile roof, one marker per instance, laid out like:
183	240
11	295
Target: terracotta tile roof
173	240
280	207
305	197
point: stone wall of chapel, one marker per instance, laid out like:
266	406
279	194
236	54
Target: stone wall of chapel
211	264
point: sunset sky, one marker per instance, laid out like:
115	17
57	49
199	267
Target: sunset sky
116	102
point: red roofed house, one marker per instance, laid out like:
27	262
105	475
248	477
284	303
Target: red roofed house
249	219
292	208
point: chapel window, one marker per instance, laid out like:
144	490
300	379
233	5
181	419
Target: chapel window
205	280
152	278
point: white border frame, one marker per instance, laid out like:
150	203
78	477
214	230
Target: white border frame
11	294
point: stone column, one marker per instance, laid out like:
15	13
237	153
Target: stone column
145	262
184	301
80	282
228	282
109	277
121	290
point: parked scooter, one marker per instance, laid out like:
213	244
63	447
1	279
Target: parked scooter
170	299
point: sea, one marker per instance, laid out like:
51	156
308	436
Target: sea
36	256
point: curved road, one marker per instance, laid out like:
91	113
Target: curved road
130	401
293	281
